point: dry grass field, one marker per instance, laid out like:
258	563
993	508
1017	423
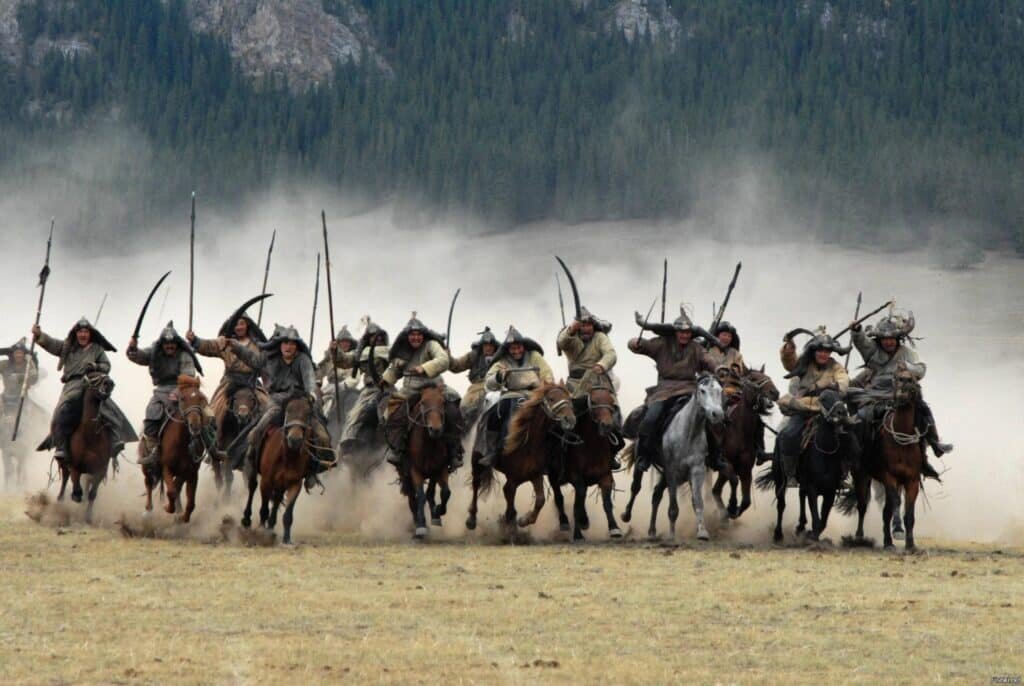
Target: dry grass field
89	605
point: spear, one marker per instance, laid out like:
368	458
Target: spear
100	310
266	274
192	262
856	313
664	288
330	310
648	317
316	296
728	294
866	317
44	274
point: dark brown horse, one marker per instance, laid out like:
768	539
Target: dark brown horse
547	415
740	436
181	450
426	459
282	465
586	461
242	409
894	456
90	444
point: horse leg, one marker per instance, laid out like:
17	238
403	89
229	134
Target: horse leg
538	502
697	475
556	493
94	487
247	512
656	494
909	517
509	489
190	497
64	474
275	503
780	500
897	521
218	478
171	490
291	495
76	485
266	491
673	506
607	484
745	484
471	518
432	501
828	499
419	519
811	497
634	490
734	509
716	492
229	479
890	505
862	487
446	493
801	524
579	509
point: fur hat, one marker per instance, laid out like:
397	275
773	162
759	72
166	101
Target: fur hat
727	326
401	347
587	317
227	329
513	336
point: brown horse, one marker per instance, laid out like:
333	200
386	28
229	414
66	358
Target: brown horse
586	461
426	459
740	437
242	409
282	464
90	444
547	415
894	457
181	450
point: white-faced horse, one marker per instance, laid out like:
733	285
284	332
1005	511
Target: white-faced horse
684	447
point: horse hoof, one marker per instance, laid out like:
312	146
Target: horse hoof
898	535
471	523
626	516
246	523
421	532
578	538
653	537
563	526
523	522
615	533
705	536
584	524
77	497
435	521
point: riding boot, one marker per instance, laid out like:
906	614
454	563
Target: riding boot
151	451
789	467
938	447
643	454
714	460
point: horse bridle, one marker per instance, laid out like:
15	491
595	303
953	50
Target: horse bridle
420	418
551	410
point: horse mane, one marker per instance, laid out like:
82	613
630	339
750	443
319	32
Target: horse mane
185	381
519	426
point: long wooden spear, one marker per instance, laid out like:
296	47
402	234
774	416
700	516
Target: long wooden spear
316	297
192	262
44	274
330	310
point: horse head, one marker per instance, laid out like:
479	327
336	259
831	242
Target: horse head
100	384
192	404
242	404
833	409
905	388
557	406
430	412
297	414
763	390
709	397
601	406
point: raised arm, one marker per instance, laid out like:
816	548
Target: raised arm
569	341
788	356
51	345
255	360
140	356
461	364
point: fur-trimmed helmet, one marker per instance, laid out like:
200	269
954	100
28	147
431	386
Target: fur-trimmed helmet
345	335
513	336
893	326
227	329
820	340
727	326
487	337
587	317
281	335
401	347
171	335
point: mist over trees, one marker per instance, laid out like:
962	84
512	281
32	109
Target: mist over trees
867	115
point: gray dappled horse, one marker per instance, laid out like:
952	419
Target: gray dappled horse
684	449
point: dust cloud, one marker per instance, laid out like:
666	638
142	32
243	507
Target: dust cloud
971	323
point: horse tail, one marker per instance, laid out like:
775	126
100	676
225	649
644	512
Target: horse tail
484	477
628	455
765	481
847	501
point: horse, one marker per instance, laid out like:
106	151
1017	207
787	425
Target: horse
741	437
15	452
546	416
819	470
894	456
425	459
90	444
181	449
282	465
239	413
684	449
586	461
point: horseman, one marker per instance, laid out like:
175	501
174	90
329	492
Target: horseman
286	364
810	373
83	351
477	361
679	359
518	369
364	414
728	355
13	371
418	358
344	343
591	356
884	351
237	374
168	358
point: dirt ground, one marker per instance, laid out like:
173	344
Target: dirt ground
204	604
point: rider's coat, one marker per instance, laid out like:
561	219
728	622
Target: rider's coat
804	390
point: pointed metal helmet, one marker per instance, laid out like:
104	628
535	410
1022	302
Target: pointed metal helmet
21	345
513	336
683	321
289	333
345	335
169	334
487	337
587	317
823	341
893	326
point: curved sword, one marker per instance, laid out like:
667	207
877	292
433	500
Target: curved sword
237	314
572	283
142	314
451	310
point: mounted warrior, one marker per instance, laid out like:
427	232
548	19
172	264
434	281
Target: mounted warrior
238	375
363	419
477	361
337	363
344	343
168	358
518	369
884	350
679	358
13	371
285	363
418	357
83	351
810	373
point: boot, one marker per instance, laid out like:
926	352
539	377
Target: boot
938	447
789	467
714	459
152	452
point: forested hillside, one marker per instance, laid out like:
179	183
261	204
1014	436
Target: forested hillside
865	115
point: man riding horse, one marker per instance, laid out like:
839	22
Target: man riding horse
287	366
810	373
518	369
83	351
591	356
477	361
884	350
729	355
344	343
679	359
418	358
237	374
13	371
168	358
364	415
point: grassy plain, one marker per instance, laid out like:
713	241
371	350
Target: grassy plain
89	605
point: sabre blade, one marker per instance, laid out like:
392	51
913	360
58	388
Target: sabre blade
266	275
856	313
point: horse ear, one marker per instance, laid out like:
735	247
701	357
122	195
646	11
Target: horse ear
762	367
